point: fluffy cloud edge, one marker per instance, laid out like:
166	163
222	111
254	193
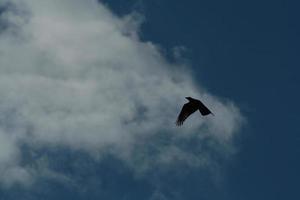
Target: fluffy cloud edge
59	59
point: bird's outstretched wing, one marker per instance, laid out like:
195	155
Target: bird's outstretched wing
186	111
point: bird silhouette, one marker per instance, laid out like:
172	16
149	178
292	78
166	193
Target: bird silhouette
189	108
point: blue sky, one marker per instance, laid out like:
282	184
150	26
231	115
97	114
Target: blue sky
245	51
240	52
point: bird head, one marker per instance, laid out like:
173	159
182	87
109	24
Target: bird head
189	98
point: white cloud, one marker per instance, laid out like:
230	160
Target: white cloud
73	74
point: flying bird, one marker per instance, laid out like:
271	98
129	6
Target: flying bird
189	108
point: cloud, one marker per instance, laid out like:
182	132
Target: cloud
74	75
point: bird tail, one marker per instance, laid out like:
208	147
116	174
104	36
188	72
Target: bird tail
206	112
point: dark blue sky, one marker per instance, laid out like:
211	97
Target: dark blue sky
248	52
243	51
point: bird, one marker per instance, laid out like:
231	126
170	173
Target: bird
189	108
